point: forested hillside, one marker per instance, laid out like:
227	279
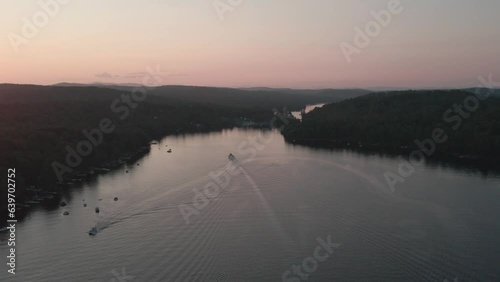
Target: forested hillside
396	119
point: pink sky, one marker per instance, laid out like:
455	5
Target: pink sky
281	43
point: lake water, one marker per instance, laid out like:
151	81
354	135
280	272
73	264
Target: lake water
308	108
330	213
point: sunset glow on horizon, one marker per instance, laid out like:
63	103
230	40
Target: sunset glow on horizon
282	43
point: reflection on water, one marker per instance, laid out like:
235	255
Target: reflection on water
265	218
308	108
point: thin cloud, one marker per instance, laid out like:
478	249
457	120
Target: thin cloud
104	75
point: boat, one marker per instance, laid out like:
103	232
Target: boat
169	151
231	157
66	213
97	209
93	231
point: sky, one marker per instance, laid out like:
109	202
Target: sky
251	43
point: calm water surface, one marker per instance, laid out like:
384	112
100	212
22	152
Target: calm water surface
274	204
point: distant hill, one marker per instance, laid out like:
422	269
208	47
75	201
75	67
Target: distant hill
396	119
307	91
96	84
293	99
274	98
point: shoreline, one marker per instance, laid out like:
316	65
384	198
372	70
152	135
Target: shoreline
455	160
